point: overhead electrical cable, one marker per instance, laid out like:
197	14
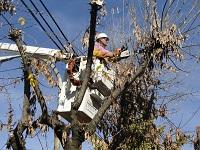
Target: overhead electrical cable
57	25
6	20
11	69
39	23
47	24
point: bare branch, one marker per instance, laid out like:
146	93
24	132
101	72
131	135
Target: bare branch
108	101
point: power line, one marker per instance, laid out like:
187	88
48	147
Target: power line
11	69
40	23
47	23
57	25
34	16
11	78
6	20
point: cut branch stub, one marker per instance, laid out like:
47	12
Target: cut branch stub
15	34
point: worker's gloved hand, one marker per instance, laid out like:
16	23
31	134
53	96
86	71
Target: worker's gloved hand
117	52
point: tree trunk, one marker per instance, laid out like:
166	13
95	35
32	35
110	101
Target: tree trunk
197	140
76	130
56	139
26	103
77	134
56	142
17	141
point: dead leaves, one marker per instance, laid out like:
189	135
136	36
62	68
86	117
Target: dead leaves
64	137
96	141
31	131
161	43
22	21
7	6
42	67
174	141
122	71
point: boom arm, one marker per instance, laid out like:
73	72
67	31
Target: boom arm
37	52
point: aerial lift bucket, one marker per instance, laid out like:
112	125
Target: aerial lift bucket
94	95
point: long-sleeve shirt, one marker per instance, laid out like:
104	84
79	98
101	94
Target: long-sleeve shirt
99	50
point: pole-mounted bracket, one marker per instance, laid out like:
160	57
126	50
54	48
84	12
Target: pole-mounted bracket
98	2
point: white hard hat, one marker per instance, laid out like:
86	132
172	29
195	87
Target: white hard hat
101	35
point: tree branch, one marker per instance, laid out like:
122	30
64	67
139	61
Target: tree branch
15	35
57	125
80	95
17	141
108	101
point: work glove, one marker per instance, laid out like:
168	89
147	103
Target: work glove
117	52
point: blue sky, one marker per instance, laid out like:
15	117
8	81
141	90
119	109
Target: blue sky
73	18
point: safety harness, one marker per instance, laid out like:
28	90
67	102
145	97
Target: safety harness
70	71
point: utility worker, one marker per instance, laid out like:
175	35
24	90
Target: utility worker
102	77
100	50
